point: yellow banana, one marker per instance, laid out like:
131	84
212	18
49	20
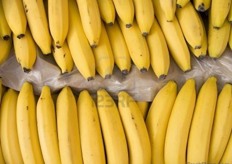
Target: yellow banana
5	31
157	120
168	8
2	91
25	51
144	107
112	129
92	145
135	129
175	39
38	24
68	127
200	131
181	3
125	11
179	124
58	20
5	47
63	58
202	5
227	158
144	14
91	20
230	39
103	54
230	14
15	16
137	46
160	60
222	125
78	44
46	122
120	51
107	11
26	125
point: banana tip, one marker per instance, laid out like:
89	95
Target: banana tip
128	25
90	78
20	36
178	6
145	34
162	77
201	7
108	76
143	70
125	72
26	70
6	37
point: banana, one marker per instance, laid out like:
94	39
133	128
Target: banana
175	39
227	158
144	107
230	14
168	8
107	11
5	31
78	44
200	131
112	129
179	124
160	60
25	51
2	92
5	47
144	14
63	58
91	20
219	11
157	120
193	29
120	51
58	20
90	131
137	46
46	122
38	24
135	129
26	125
68	127
222	125
15	16
125	11
202	5
103	54
230	39
181	3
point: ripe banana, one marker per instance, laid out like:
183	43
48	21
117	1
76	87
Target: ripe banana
181	3
200	131
2	91
25	51
38	24
202	5
26	125
58	20
68	127
144	14
107	11
120	51
222	125
230	14
103	54
168	8
219	11
135	129
63	58
91	20
137	46
193	29
144	107
179	124
9	135
125	11
46	122
230	39
175	39
160	60
5	31
227	158
112	129
15	16
92	145
78	44
157	120
5	47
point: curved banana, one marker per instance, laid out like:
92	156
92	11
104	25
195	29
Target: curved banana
125	11
230	14
202	5
78	44
107	11
157	120
201	126
120	51
46	122
179	124
25	51
91	20
38	24
103	54
135	129
5	31
112	129
2	91
181	3
58	20
26	125
168	8
92	145
227	158
5	47
144	107
68	127
230	39
160	60
222	125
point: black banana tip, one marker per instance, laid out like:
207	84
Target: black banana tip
90	78
93	45
128	25
20	36
6	37
145	34
202	56
162	77
26	70
125	72
108	76
201	7
178	6
197	47
143	70
110	23
215	27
